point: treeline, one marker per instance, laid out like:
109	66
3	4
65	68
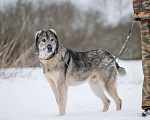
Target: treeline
76	29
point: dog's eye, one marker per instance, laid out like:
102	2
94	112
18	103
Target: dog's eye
43	40
52	40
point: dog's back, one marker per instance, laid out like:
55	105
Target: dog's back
83	64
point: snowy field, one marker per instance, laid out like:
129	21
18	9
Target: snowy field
28	96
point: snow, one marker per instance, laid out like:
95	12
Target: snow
28	96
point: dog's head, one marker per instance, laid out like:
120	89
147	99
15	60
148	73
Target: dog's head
46	43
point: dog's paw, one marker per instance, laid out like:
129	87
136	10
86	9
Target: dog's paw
61	114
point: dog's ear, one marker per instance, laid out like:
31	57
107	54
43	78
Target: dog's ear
55	35
37	34
53	31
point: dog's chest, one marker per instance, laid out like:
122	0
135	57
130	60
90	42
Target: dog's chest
54	76
49	66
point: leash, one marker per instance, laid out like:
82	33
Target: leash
129	34
130	31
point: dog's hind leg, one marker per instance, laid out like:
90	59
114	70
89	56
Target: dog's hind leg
99	92
111	90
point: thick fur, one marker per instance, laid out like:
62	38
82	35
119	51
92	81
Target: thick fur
64	67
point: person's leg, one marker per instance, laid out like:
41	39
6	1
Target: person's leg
145	40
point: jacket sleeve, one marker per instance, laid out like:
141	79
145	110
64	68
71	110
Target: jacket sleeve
141	9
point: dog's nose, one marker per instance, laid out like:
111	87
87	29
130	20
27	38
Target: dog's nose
49	47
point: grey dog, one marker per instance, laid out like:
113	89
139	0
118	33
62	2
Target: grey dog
64	67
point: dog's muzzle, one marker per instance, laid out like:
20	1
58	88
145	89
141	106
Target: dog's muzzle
49	48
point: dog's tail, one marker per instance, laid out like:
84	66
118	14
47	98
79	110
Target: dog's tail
121	70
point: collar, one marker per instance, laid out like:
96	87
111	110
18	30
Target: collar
52	55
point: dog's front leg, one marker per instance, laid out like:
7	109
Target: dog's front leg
53	86
62	98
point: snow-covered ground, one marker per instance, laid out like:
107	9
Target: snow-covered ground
28	96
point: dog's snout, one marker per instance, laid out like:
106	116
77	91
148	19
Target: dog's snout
49	47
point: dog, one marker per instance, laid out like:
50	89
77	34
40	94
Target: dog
64	67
